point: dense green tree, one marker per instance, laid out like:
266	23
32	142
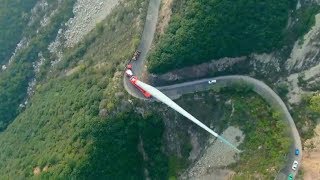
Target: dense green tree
117	149
315	103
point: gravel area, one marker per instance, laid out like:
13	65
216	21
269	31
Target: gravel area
212	164
87	14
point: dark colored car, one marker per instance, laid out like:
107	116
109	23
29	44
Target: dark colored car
136	55
297	152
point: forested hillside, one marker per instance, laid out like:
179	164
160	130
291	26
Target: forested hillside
118	150
72	116
14	16
204	30
14	81
80	124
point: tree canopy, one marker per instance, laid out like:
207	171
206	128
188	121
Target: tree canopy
206	30
315	103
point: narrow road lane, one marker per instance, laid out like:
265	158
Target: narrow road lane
144	47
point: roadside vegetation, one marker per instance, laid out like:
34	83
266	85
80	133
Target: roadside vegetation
202	31
266	137
306	115
315	103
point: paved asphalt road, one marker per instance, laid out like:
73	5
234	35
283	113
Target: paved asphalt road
144	47
175	91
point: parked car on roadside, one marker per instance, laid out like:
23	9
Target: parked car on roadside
295	165
136	55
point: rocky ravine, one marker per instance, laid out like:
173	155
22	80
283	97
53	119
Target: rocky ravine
217	156
304	61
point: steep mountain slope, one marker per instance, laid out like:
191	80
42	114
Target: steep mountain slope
59	130
13	21
14	80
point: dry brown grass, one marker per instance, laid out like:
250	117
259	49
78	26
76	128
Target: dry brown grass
164	16
311	157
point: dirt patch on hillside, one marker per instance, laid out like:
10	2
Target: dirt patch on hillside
36	171
311	165
311	157
218	155
74	70
164	16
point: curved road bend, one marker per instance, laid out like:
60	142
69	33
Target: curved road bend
175	91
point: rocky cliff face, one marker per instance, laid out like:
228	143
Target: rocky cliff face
303	64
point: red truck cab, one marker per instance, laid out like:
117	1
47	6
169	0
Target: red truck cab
133	81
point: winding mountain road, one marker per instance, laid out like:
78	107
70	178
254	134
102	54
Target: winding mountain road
176	90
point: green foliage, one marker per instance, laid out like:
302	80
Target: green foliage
282	90
120	145
266	142
266	135
176	165
315	103
203	30
14	81
305	116
51	131
14	16
152	129
59	118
